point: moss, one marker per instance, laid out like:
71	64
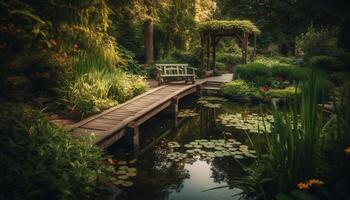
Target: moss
216	25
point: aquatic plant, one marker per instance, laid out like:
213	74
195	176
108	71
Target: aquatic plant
125	172
251	122
187	113
210	149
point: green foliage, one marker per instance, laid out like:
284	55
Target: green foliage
256	73
272	61
287	92
282	71
42	161
344	33
299	74
217	25
191	58
229	59
220	66
317	42
324	62
292	145
239	87
98	90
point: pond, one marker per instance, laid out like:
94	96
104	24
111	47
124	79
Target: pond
205	151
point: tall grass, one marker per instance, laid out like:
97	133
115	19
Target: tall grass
293	143
291	154
96	90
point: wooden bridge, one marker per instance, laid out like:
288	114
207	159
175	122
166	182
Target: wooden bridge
114	123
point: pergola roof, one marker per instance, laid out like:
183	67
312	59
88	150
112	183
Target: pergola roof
229	25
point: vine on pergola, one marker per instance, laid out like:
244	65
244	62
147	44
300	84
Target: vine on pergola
212	31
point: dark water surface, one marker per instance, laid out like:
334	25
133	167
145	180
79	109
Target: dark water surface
159	178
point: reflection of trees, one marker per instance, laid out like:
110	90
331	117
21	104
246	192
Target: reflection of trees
158	177
207	121
226	169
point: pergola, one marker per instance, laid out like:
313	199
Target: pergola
212	31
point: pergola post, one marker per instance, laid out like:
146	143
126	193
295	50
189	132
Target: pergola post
208	52
213	43
254	52
202	54
244	47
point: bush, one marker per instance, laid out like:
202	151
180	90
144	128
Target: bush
42	161
98	90
190	58
220	66
229	59
324	62
257	73
299	74
282	71
282	93
271	61
239	87
317	42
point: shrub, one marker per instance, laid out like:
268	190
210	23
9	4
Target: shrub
299	74
190	58
257	73
271	61
98	90
324	62
220	66
282	93
317	42
282	71
239	87
42	161
229	59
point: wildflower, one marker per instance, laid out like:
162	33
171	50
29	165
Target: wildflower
347	151
303	186
75	46
315	182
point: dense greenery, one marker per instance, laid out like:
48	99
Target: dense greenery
41	161
85	56
297	151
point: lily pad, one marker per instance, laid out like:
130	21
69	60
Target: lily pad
127	184
123	177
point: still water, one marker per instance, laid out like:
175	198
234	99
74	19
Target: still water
195	177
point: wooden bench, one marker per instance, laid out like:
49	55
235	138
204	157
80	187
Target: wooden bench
165	71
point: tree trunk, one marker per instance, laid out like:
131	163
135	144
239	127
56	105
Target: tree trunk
149	41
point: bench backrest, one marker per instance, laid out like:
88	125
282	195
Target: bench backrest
174	69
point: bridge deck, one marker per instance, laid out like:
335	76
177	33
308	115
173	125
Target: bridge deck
109	126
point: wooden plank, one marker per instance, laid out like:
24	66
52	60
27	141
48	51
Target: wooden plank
150	114
107	139
116	107
80	132
107	121
98	126
190	91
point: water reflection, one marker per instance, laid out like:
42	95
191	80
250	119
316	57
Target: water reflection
159	178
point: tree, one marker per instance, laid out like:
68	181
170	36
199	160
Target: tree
146	12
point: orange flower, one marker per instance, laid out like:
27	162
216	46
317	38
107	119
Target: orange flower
315	182
347	151
303	186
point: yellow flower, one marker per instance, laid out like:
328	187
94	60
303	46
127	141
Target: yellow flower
315	182
347	151
303	186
